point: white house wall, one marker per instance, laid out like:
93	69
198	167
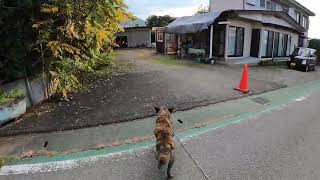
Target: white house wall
222	5
248	35
267	19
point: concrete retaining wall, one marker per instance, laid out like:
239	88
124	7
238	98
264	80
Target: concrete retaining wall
34	91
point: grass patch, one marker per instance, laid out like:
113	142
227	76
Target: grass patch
111	65
6	98
271	63
7	160
175	62
116	67
33	154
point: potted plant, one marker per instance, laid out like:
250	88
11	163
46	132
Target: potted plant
12	105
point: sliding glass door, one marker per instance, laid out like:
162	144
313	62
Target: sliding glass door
264	43
235	41
275	44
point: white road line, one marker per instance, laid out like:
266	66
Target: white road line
57	165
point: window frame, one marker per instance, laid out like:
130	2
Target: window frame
269	52
288	53
272	5
304	21
236	50
281	52
298	17
277	38
270	44
276	44
159	37
263	5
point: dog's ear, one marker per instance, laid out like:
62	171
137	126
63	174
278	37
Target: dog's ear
170	110
157	109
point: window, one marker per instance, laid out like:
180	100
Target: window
219	41
280	47
267	44
159	37
285	9
263	3
232	41
268	4
270	44
307	23
304	21
264	43
275	44
236	41
289	46
271	6
285	44
298	17
251	2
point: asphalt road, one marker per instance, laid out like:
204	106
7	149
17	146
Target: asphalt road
282	144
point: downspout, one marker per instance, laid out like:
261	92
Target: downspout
243	4
211	41
226	45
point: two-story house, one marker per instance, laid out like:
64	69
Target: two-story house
234	29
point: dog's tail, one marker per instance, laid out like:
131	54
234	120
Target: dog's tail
163	159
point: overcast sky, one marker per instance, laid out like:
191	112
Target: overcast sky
178	8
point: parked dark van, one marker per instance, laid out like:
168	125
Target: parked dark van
303	59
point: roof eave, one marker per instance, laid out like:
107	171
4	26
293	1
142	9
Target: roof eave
280	13
306	10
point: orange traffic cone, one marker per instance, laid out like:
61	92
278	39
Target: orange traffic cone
243	86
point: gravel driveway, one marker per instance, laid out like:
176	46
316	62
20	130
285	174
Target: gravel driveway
131	96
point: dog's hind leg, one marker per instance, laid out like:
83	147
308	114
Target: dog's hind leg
170	164
156	155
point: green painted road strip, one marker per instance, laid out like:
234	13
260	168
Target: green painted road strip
205	118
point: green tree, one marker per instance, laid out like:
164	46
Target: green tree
315	44
73	35
158	21
17	38
202	9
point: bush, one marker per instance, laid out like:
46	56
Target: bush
73	36
315	44
1	161
13	95
17	57
61	38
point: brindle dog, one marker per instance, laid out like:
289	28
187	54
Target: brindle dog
164	135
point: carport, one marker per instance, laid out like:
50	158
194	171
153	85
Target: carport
236	36
200	26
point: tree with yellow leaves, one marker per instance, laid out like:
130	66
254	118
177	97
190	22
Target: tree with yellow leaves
72	36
